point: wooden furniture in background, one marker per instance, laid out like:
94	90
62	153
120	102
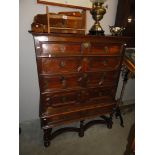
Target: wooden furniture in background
78	77
77	4
62	22
126	16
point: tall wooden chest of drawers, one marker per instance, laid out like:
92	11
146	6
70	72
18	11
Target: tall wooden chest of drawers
78	77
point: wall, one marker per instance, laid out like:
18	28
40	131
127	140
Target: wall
29	89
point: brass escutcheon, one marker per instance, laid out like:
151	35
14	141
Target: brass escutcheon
62	64
106	49
86	44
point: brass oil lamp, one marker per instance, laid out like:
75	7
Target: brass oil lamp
98	10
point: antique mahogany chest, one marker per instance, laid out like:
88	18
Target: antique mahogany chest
78	77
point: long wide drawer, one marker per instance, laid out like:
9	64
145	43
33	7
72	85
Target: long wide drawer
77	64
48	48
80	96
58	82
76	114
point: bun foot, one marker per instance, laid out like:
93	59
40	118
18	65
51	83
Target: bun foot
81	134
109	125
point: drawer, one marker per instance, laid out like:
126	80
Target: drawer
57	48
60	116
106	48
60	65
97	94
98	79
104	63
60	99
58	82
76	81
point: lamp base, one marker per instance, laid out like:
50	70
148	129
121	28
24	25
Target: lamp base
97	33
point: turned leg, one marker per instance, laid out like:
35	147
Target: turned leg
47	137
110	122
81	130
118	114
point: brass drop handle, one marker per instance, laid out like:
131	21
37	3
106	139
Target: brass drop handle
62	64
79	79
106	49
102	79
86	44
62	49
48	98
105	62
79	68
63	81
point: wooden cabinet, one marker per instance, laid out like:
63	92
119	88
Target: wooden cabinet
78	77
126	16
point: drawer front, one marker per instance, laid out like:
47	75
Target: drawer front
58	48
60	65
60	99
106	49
55	83
80	97
98	79
83	80
98	94
78	115
100	63
78	64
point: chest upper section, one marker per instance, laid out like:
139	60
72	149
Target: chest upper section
55	46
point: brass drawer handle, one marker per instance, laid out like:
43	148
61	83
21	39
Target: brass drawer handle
48	98
102	79
79	68
62	64
106	49
62	49
86	45
101	82
105	62
63	81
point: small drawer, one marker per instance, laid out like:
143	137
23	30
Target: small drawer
58	82
60	65
99	79
60	48
106	49
104	63
60	99
103	92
